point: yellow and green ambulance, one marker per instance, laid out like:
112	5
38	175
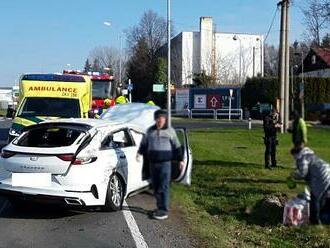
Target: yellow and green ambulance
49	96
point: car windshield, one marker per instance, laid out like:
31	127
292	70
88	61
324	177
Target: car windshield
50	136
101	89
53	107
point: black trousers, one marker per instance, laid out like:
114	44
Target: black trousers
270	150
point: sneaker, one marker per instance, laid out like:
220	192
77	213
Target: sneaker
160	215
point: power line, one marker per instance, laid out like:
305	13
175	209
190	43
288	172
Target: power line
272	23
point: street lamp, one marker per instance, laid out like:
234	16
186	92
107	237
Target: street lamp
302	85
108	24
169	61
240	57
261	45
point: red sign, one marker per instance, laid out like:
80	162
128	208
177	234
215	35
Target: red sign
213	101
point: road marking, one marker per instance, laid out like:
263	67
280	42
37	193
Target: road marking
133	227
3	206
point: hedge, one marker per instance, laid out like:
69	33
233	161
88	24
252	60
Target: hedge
266	90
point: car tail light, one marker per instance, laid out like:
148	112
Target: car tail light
76	161
84	160
66	157
7	154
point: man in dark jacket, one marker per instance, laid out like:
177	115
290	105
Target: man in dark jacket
160	146
316	173
270	124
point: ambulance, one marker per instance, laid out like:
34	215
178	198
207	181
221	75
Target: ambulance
51	96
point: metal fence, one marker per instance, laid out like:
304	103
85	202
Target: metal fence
216	113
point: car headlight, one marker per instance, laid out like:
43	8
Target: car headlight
14	132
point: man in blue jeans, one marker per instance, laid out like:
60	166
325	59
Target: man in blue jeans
160	146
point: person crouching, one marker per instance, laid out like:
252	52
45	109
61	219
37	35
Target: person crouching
316	173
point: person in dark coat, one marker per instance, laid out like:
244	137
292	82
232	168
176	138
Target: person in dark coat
270	125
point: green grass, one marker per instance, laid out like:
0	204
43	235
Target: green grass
223	206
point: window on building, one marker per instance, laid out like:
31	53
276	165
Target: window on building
313	60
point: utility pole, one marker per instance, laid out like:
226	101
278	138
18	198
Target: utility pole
254	61
302	87
287	67
284	67
120	58
282	61
169	61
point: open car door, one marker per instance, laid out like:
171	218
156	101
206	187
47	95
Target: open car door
183	176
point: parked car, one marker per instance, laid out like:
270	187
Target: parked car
81	162
325	117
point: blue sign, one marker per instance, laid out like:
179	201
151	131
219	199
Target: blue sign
130	87
222	95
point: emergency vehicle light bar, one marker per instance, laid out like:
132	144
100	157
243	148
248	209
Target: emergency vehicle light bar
53	77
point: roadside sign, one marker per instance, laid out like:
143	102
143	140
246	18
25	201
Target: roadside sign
130	87
181	99
200	101
213	101
158	88
231	92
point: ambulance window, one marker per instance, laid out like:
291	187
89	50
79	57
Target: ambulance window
50	107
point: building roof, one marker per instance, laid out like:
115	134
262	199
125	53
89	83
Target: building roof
323	53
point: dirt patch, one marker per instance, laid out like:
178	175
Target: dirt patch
268	211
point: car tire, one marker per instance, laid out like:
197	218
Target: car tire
18	204
115	194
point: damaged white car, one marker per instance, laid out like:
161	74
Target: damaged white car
82	161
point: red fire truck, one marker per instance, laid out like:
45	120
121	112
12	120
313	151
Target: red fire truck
103	87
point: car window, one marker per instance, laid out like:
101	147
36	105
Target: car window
118	139
137	137
49	137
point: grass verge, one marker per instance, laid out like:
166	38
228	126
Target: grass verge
223	207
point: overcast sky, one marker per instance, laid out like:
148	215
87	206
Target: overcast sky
45	36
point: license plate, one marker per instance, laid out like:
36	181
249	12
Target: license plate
31	179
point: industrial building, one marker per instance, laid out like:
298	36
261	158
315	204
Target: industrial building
228	57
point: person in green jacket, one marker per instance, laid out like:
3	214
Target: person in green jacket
298	130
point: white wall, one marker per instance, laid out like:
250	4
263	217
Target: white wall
196	49
206	44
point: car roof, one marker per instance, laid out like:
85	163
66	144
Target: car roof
94	123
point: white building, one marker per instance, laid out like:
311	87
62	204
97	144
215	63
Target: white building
230	58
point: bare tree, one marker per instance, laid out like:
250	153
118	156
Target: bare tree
109	57
144	41
316	18
271	60
226	70
152	28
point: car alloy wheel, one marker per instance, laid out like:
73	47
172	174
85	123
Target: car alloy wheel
115	194
116	190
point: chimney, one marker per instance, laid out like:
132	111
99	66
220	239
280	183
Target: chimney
206	44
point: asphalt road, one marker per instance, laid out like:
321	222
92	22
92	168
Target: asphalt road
45	226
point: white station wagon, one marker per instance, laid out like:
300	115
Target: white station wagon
84	162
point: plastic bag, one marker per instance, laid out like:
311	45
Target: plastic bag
296	212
